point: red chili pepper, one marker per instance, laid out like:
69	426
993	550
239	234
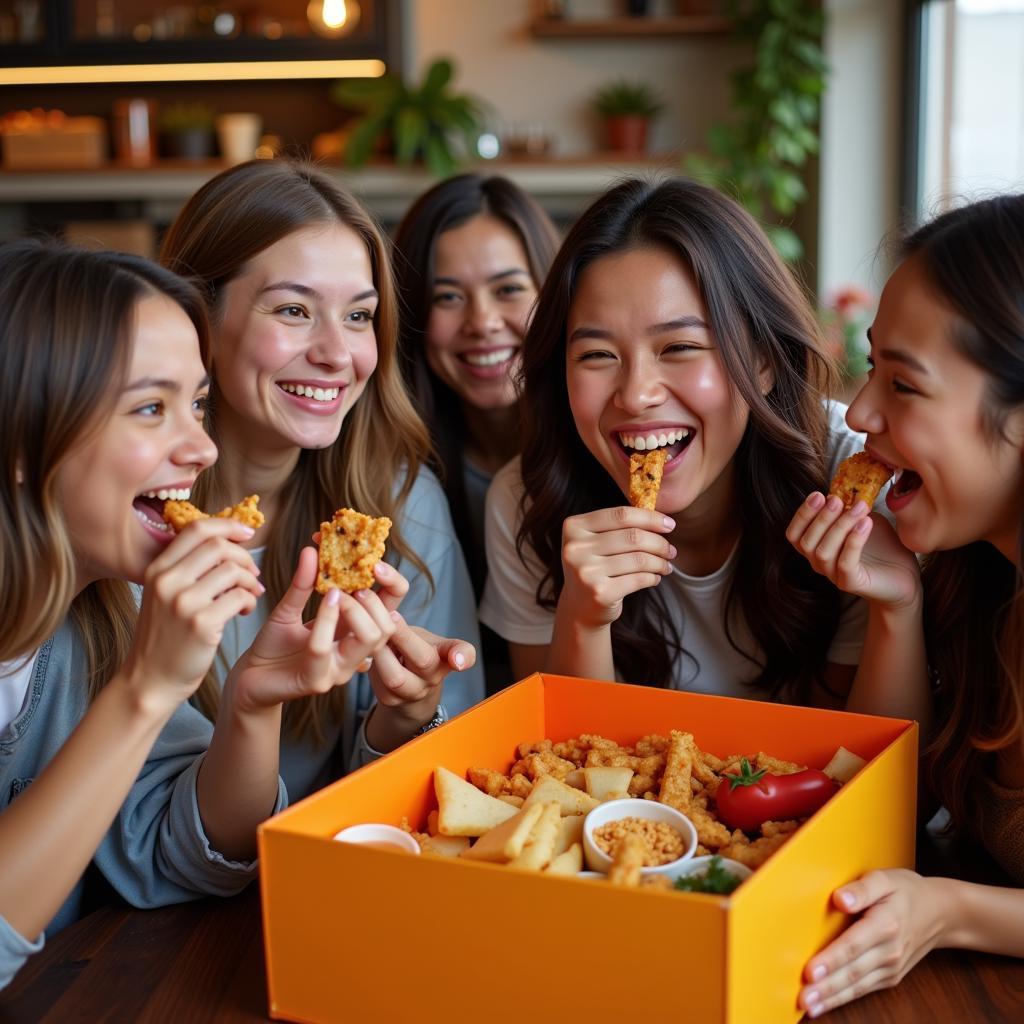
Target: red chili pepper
747	800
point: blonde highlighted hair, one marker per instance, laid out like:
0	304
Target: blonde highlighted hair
66	319
231	219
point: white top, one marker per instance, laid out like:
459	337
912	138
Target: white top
15	677
510	608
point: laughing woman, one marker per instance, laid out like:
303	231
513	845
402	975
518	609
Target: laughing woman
471	255
944	406
667	321
102	401
309	410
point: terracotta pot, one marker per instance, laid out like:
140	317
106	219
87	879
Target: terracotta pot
626	133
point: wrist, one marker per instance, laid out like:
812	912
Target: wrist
147	705
956	910
237	702
389	727
900	616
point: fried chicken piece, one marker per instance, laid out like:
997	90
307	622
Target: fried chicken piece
491	782
524	749
645	472
755	853
351	544
859	478
543	763
627	861
710	831
180	513
653	744
521	785
770	829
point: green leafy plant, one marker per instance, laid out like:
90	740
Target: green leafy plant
422	122
186	117
718	879
759	155
622	98
845	320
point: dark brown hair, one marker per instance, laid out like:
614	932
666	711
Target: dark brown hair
974	597
759	318
443	207
375	461
66	318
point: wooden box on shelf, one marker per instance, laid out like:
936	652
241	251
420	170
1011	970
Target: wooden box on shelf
42	143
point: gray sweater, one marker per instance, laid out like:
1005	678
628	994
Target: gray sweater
156	851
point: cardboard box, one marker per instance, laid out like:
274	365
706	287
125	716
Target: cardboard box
74	142
357	934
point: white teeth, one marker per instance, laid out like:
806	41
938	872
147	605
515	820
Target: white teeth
896	476
317	394
648	442
492	358
172	493
152	523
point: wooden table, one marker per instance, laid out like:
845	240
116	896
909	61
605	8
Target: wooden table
203	962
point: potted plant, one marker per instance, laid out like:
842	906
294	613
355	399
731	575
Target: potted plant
759	155
186	131
421	122
627	109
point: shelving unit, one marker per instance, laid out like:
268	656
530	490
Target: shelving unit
634	28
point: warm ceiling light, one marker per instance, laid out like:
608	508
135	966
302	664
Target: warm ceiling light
220	71
333	18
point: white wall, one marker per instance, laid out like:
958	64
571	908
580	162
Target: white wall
861	145
550	81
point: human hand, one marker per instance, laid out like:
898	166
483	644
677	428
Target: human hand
903	916
860	553
609	554
290	658
200	581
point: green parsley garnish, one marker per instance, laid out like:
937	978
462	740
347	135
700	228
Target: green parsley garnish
716	879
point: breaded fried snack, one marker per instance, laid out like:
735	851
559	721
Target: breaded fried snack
859	478
645	472
180	513
351	544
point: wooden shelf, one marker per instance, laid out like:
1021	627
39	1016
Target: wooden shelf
637	28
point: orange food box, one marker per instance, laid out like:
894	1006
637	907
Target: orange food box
354	933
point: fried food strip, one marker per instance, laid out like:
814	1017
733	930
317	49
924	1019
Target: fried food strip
859	478
645	473
351	544
676	790
629	858
180	513
756	853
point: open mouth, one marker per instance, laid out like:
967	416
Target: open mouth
673	441
149	507
905	481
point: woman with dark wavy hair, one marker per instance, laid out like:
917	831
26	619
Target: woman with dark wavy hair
944	408
667	321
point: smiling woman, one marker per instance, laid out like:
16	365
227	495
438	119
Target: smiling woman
667	322
309	410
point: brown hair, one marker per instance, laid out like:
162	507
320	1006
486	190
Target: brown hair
231	219
974	597
759	318
448	205
66	319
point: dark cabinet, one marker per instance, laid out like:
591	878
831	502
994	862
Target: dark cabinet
104	32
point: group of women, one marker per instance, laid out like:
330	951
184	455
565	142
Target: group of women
484	387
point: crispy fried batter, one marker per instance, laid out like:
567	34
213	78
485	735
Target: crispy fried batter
351	544
627	861
491	782
645	473
754	854
676	790
859	478
180	513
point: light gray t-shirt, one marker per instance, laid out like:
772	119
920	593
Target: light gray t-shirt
510	608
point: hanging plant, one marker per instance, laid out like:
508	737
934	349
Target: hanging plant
759	155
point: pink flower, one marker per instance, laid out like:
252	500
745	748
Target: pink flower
850	300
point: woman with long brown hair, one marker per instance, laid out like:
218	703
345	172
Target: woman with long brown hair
310	411
471	254
944	408
102	399
668	322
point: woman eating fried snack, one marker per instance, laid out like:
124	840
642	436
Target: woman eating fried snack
309	411
668	323
102	399
943	408
471	254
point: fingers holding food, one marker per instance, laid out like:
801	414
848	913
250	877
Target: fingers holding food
351	545
859	478
180	513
